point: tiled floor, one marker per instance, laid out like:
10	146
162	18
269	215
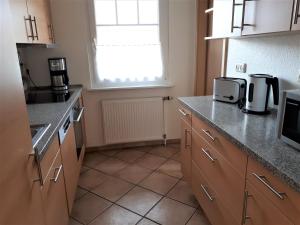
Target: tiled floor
138	186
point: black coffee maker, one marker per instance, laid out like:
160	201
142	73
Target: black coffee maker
59	74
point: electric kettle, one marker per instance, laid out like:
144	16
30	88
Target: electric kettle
258	91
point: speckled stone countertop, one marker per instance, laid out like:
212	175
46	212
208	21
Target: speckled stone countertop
53	113
252	133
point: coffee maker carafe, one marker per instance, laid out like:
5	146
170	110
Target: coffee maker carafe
258	91
58	74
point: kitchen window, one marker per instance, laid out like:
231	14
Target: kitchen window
130	39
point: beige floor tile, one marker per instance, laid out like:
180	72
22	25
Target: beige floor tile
159	183
74	222
91	179
143	148
83	169
129	155
146	222
111	166
134	173
172	168
80	192
92	159
116	215
170	212
198	219
183	193
110	152
163	151
176	157
139	200
113	189
89	207
150	161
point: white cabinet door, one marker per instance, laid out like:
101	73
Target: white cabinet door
267	16
296	16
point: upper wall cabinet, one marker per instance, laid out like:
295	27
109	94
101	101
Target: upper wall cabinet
31	21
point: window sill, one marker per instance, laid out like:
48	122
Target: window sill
166	85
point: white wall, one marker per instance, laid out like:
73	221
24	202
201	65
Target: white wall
70	19
277	55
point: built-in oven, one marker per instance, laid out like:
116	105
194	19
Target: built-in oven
288	118
78	123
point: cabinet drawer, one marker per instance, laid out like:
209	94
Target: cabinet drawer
209	201
229	151
185	114
49	157
185	150
223	178
260	211
285	198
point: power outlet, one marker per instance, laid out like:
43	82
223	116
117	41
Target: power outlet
241	68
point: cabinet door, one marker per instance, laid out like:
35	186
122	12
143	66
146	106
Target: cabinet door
20	21
296	16
259	210
265	16
186	151
40	12
54	195
70	162
20	195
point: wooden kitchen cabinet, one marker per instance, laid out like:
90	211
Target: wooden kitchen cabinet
54	195
70	162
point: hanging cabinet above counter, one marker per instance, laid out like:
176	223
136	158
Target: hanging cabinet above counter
238	18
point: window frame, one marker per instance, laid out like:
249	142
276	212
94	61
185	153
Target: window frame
95	82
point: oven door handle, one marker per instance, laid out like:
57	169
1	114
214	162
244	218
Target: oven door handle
77	120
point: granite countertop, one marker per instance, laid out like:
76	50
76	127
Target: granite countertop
252	133
53	113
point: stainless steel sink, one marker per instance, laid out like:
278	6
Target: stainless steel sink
37	132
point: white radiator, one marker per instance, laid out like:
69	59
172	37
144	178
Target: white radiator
132	120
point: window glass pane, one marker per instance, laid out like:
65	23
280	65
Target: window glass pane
105	12
127	11
148	11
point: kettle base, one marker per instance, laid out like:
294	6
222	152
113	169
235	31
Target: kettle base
255	112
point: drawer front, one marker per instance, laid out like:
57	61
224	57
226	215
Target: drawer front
185	114
209	201
285	198
260	211
223	178
49	157
228	150
185	150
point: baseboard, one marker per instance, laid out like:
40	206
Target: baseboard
132	145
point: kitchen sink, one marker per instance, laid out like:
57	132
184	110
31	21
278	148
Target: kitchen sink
37	132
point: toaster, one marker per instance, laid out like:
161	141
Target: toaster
229	89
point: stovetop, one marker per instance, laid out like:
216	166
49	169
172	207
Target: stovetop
39	97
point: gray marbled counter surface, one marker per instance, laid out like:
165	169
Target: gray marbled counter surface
252	133
53	113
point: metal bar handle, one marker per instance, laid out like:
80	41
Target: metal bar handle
233	14
245	217
31	35
77	120
207	193
208	155
297	12
36	30
207	132
264	181
58	169
186	145
183	112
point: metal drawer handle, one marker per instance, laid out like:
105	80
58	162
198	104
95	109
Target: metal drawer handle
208	155
207	132
245	217
30	26
183	112
296	17
207	193
36	30
264	181
58	169
77	120
186	145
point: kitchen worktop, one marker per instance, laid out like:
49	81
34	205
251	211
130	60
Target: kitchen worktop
254	134
53	113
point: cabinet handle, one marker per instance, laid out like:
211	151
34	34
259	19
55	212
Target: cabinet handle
297	12
186	145
265	182
208	155
39	168
77	120
30	26
245	217
207	193
51	33
207	132
243	15
243	24
183	112
58	169
36	30
232	16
